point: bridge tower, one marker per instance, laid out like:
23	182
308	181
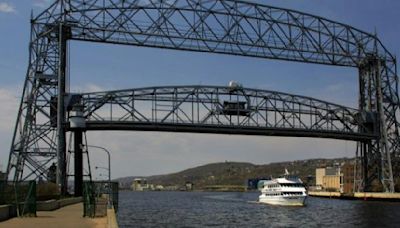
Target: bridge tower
379	109
214	26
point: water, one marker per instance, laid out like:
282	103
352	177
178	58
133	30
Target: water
211	209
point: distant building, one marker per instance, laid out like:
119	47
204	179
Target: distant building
331	183
331	171
140	184
319	175
327	178
171	188
159	188
336	179
189	186
348	177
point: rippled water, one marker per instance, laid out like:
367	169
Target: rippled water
210	209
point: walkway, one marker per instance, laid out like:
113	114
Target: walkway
66	217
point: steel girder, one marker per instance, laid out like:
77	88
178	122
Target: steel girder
216	26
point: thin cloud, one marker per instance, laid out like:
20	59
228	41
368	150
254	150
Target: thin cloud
6	8
41	3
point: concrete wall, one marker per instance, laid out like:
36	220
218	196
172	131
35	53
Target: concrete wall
69	201
4	212
52	205
377	195
7	212
49	205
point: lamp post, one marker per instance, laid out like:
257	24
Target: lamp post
109	172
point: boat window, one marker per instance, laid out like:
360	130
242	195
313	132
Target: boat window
293	193
292	185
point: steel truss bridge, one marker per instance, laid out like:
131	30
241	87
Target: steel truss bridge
214	26
225	110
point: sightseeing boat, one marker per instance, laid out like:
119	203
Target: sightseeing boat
286	190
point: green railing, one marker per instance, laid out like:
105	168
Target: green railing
21	195
89	202
97	196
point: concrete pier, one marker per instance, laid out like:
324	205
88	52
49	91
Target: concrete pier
66	217
325	194
379	196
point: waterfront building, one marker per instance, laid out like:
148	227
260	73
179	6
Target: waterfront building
319	175
159	188
348	177
189	186
332	171
339	178
332	183
140	184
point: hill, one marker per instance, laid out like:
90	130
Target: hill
235	173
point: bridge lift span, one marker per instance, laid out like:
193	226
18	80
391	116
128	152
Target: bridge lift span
214	26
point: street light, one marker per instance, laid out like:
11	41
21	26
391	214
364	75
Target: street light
109	172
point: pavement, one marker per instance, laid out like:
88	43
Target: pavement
65	217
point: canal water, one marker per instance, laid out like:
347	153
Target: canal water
213	209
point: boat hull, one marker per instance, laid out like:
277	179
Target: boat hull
284	201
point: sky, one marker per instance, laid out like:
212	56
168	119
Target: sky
97	67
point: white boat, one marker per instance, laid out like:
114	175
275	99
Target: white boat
286	190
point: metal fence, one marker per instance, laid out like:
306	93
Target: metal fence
97	195
22	196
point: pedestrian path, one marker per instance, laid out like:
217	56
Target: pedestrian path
65	217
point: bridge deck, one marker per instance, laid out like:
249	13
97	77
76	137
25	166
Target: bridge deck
232	130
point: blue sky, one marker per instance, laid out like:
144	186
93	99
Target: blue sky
104	67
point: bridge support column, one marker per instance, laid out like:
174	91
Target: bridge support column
61	121
376	165
78	162
364	184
